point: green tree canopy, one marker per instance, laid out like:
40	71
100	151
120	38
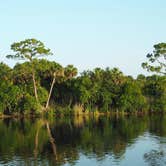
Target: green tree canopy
157	59
29	49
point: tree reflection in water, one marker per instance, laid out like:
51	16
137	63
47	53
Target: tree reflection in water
64	140
155	158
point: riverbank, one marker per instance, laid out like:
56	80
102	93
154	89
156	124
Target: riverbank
52	115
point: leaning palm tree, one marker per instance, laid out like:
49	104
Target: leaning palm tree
59	75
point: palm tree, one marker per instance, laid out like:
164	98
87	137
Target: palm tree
59	75
70	71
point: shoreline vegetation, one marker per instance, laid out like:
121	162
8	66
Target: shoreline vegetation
84	114
39	87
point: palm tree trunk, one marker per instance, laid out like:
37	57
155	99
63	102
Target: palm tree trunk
49	96
34	85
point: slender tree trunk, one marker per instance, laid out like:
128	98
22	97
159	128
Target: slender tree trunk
49	96
34	85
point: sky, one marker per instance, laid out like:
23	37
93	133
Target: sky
86	33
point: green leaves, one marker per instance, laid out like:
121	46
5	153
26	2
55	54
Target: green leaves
9	97
157	59
29	49
131	98
70	71
107	89
155	91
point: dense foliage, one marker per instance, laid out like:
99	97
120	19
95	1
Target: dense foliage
39	85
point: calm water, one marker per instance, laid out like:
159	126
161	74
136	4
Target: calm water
120	141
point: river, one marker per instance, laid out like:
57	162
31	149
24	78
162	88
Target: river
84	141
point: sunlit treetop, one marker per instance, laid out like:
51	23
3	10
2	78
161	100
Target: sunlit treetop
157	59
29	49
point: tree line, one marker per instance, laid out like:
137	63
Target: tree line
38	85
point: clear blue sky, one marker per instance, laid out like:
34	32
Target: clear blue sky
87	33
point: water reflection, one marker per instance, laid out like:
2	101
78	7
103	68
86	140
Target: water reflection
155	158
76	140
